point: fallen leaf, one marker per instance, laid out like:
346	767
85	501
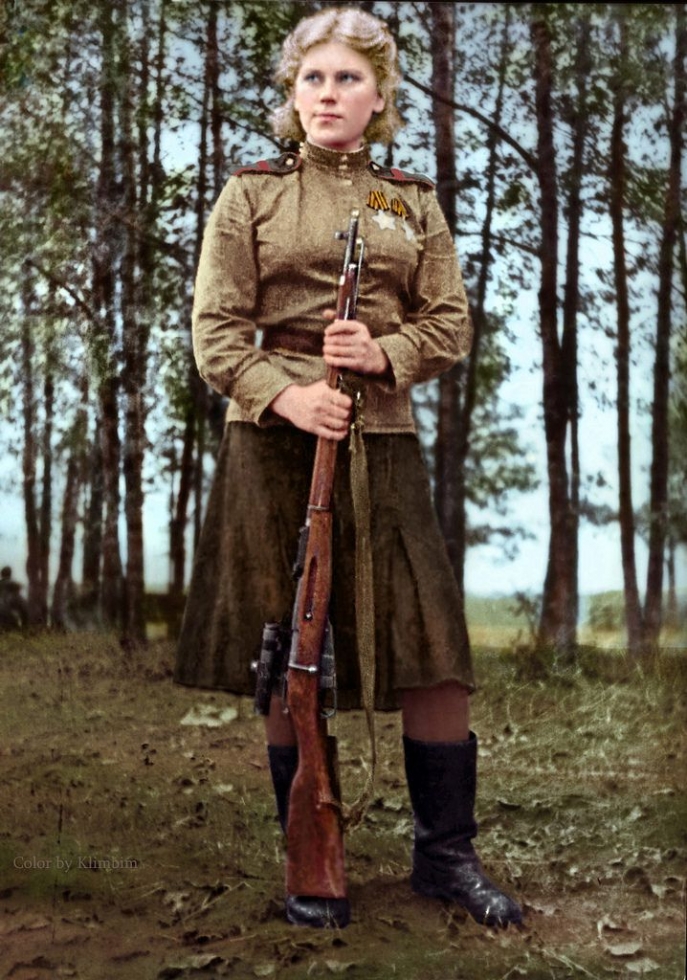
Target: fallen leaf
133	954
24	925
392	804
546	910
265	970
223	788
334	966
209	716
399	924
624	949
176	900
196	962
402	828
39	963
641	966
508	805
609	924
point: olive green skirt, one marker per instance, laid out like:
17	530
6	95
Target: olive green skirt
242	575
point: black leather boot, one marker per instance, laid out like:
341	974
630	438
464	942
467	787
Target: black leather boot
318	913
442	780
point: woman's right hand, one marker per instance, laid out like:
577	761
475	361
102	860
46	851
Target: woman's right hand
315	408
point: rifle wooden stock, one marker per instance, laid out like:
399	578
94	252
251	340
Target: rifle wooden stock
315	849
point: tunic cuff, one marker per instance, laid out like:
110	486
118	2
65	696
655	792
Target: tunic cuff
404	362
254	391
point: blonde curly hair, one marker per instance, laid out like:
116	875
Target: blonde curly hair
363	33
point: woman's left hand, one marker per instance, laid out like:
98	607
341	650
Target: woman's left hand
349	345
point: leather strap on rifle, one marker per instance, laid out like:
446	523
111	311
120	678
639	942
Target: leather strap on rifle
364	599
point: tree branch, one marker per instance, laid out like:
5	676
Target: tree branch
61	284
529	159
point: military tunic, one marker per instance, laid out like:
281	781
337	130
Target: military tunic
269	267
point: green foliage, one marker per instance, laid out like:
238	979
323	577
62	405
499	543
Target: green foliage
677	513
606	612
56	217
528	607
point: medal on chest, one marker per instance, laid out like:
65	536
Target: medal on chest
390	214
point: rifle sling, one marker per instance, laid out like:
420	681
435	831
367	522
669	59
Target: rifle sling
364	600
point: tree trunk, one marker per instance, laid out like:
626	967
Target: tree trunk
92	536
449	485
46	481
571	302
105	353
617	179
179	519
193	449
479	316
559	590
134	340
672	617
64	590
659	431
29	459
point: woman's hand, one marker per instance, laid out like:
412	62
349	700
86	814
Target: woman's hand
315	408
348	344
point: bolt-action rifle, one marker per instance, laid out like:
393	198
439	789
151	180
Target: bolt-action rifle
315	850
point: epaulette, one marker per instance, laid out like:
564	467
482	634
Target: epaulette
284	164
399	176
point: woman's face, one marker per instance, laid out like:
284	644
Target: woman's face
335	94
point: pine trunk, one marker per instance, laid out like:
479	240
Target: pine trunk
617	177
659	431
193	448
479	315
450	491
134	340
29	458
64	592
104	265
571	303
46	480
559	590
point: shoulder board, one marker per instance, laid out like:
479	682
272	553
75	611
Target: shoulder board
284	164
399	176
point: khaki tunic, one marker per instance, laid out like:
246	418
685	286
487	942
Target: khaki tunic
270	263
269	267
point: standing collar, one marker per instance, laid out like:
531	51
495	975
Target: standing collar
333	160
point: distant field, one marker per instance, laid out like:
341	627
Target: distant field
494	621
501	622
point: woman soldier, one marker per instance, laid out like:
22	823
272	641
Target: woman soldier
269	267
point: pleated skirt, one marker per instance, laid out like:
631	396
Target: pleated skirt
243	568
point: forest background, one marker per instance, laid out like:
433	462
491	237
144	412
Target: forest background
558	451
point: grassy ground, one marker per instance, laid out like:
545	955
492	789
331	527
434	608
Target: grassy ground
138	841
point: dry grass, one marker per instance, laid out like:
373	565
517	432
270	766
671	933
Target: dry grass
134	846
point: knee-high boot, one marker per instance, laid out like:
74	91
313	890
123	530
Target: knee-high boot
319	913
442	780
